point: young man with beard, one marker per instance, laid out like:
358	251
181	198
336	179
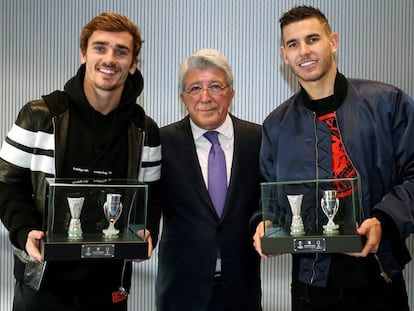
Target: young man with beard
337	127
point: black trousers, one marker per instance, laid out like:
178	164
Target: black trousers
70	299
377	296
218	301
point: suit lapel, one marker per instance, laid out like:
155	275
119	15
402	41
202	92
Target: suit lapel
189	160
239	165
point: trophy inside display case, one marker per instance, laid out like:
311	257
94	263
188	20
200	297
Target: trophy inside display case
112	210
75	208
95	219
309	216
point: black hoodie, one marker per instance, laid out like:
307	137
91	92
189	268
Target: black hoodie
97	143
97	147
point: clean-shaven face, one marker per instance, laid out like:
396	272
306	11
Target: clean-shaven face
208	110
309	48
108	60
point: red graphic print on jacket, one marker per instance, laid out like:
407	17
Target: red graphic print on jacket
341	164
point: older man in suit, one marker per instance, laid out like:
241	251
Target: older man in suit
206	257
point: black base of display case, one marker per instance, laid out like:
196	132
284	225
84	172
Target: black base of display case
93	246
313	243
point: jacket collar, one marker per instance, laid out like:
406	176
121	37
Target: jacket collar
340	93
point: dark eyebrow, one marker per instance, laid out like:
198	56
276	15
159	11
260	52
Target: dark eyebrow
290	41
313	35
307	37
100	43
119	46
123	47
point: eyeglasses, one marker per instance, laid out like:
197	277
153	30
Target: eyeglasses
212	89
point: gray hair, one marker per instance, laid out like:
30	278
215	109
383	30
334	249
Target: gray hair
202	59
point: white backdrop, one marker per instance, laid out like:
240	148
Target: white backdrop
39	53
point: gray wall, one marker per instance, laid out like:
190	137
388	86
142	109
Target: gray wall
39	52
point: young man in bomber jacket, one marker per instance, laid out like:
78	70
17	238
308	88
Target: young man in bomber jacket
336	127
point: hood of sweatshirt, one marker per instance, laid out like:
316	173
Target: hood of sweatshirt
97	143
132	89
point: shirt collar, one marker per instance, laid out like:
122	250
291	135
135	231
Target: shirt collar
226	129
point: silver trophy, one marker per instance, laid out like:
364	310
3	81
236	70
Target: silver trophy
330	206
75	207
112	210
295	202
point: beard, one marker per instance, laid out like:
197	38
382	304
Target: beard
318	73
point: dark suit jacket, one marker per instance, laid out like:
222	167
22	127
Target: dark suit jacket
192	233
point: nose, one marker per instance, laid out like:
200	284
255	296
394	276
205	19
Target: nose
304	49
205	94
109	57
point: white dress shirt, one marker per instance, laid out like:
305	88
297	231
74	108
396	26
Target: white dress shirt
226	139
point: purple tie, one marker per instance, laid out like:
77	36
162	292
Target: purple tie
217	173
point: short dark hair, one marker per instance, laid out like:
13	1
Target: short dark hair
112	22
299	13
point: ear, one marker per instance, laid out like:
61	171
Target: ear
232	94
283	55
334	42
82	57
133	67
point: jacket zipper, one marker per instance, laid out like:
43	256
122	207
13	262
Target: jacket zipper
383	274
312	279
121	287
56	144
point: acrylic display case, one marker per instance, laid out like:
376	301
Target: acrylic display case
311	216
97	219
